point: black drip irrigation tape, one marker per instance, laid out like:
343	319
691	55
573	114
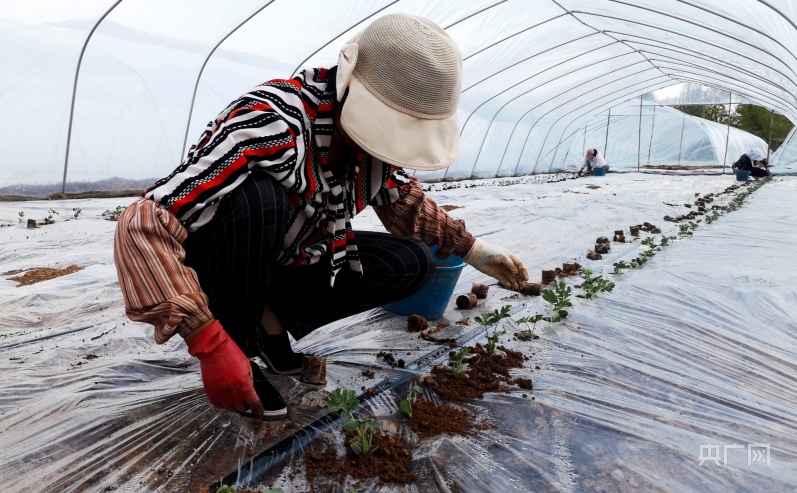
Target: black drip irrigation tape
274	456
44	338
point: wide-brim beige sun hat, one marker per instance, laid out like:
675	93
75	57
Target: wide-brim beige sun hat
404	76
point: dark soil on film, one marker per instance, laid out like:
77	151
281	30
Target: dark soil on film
321	464
388	463
485	373
429	420
32	276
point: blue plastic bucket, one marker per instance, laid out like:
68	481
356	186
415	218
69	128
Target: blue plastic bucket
432	299
742	174
599	171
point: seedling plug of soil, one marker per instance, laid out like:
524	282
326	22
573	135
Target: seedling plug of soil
480	290
531	289
466	301
591	255
569	267
406	403
548	276
601	248
417	323
345	402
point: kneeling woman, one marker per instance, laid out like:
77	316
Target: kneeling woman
250	238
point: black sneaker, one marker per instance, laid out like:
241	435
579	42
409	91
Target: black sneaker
279	357
273	405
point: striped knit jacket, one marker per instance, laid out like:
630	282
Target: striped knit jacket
283	128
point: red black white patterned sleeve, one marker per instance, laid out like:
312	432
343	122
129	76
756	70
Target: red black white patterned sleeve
416	215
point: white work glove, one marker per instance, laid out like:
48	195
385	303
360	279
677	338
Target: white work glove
498	262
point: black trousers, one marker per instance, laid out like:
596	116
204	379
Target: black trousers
234	257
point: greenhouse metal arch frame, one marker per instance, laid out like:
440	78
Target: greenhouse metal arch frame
502	45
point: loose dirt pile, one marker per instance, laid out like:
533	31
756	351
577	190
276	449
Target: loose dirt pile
32	276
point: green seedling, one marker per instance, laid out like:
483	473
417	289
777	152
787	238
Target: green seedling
665	240
528	334
115	213
226	489
493	318
619	266
272	490
406	404
49	219
345	402
76	211
693	225
457	359
684	230
559	299
594	284
650	240
21	216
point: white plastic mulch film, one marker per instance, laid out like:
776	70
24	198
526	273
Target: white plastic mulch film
538	76
665	384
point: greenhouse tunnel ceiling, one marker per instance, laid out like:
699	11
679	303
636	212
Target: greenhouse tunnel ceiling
106	95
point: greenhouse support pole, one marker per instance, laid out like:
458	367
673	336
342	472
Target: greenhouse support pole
202	69
639	140
681	144
652	126
728	134
74	89
606	144
771	123
584	143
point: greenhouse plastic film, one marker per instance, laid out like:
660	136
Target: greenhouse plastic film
135	86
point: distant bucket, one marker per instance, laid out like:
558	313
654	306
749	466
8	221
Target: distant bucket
432	299
742	174
599	171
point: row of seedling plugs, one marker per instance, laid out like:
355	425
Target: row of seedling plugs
737	201
111	215
646	255
345	401
685	230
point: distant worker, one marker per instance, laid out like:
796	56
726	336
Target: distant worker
251	237
593	160
754	162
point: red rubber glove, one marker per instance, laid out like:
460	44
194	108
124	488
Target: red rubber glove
226	372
